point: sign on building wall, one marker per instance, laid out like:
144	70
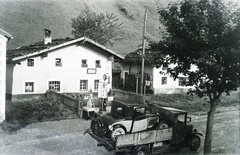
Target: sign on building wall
102	91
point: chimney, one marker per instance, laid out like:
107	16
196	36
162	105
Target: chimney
47	37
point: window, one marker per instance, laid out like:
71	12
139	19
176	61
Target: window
58	62
164	67
29	87
83	85
54	85
97	64
84	63
30	62
182	81
96	84
164	81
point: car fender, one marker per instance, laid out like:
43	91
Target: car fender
195	132
125	123
118	125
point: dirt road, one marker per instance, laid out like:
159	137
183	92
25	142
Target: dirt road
66	137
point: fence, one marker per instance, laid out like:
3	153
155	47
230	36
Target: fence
75	104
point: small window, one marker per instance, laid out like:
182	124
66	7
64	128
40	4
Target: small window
96	83
139	111
181	118
164	81
182	81
83	85
84	63
29	87
30	62
164	67
58	62
98	64
54	85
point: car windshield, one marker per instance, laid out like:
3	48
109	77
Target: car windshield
181	118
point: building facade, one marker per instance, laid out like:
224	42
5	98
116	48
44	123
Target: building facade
63	65
159	81
4	37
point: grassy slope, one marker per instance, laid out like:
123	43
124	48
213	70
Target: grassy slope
26	19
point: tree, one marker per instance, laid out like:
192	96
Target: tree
99	27
204	33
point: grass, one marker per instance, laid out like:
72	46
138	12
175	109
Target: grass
192	103
20	114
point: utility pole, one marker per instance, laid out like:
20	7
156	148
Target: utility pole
143	51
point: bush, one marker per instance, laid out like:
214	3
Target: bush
181	101
22	113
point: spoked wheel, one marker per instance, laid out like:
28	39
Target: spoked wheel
117	131
162	125
194	143
97	127
140	150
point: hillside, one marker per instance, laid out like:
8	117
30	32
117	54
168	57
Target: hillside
26	19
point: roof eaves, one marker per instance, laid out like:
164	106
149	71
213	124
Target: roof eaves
6	34
46	50
65	44
103	47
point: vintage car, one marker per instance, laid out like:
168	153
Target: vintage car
126	118
138	129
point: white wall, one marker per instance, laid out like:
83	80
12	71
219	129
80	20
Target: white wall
69	74
172	85
3	42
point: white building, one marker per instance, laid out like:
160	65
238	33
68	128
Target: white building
4	37
160	82
63	65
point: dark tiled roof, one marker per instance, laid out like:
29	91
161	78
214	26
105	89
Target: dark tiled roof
24	50
136	56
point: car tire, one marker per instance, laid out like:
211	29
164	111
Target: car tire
97	127
194	143
140	150
117	131
162	125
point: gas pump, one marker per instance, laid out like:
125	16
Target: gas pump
102	93
89	109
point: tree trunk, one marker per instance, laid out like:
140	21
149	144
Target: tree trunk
209	129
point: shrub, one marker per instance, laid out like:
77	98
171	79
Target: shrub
22	113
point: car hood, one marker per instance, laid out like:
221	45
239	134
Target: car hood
107	119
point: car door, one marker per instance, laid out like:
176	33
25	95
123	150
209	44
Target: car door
140	119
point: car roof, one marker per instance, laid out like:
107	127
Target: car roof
130	104
174	110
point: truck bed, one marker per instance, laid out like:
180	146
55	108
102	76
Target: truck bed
133	139
144	137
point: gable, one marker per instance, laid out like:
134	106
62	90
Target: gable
39	49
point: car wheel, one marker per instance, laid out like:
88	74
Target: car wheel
117	131
96	127
162	125
194	143
140	150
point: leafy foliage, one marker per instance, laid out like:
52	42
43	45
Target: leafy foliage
205	34
99	27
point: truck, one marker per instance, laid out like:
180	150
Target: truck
139	129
